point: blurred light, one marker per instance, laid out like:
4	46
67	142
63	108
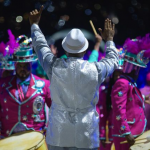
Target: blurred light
119	6
1	1
61	22
50	8
115	20
19	19
97	6
25	16
134	17
104	13
88	12
2	19
134	2
7	2
79	6
131	9
138	6
63	4
65	17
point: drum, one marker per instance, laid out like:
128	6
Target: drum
113	146
29	140
142	142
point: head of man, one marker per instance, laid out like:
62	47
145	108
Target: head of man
116	74
131	70
75	44
23	70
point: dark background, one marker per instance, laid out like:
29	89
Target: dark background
132	18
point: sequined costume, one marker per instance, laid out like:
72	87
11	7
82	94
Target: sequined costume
25	114
73	120
128	113
104	117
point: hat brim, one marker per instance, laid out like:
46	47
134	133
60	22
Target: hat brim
136	64
84	48
7	68
34	58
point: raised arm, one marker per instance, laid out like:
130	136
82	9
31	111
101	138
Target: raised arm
40	45
94	55
107	65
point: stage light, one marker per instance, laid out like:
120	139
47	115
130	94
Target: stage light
88	12
115	20
50	8
19	19
2	19
97	6
61	22
7	2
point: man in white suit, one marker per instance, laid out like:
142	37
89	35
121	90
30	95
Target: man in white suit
73	120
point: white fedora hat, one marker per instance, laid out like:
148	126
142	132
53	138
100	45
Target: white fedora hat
75	42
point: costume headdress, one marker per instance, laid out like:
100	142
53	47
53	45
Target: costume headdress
6	53
137	51
24	53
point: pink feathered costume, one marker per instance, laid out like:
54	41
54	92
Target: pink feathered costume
14	112
128	113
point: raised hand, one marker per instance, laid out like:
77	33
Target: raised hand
109	30
98	38
34	16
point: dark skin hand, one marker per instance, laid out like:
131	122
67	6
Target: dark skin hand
130	139
35	16
109	30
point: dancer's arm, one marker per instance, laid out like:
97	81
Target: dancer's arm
41	47
94	55
107	65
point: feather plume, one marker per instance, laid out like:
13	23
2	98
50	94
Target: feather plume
13	45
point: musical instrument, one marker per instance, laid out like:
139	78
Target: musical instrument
142	142
28	140
94	30
113	146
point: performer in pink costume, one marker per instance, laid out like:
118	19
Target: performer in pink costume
23	96
128	103
105	106
146	90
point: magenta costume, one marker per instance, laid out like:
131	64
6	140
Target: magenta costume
104	117
30	111
127	100
128	113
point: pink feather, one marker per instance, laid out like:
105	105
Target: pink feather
13	45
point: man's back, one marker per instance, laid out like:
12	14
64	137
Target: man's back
73	120
66	88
